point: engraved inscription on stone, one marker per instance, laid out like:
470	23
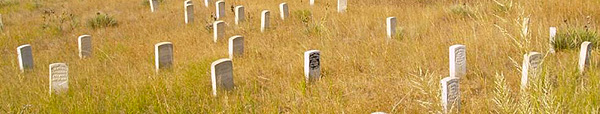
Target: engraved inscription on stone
59	77
218	30
222	75
264	20
163	55
85	46
312	65
239	14
450	94
531	67
458	61
236	46
25	57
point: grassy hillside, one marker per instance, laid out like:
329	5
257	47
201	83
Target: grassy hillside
362	72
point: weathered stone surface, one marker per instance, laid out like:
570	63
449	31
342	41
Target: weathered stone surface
59	78
222	75
85	46
458	61
450	94
312	65
25	57
391	27
220	9
236	46
218	30
284	11
264	20
163	55
584	56
240	15
532	67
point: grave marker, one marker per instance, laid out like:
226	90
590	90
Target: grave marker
532	66
342	5
458	61
59	78
391	27
85	46
284	11
218	30
312	2
206	3
450	94
312	65
25	57
163	55
239	14
153	5
552	39
220	9
264	20
236	46
189	12
584	56
222	75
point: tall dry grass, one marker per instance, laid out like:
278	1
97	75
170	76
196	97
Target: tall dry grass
362	73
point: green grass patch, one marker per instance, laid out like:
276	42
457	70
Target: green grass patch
572	38
102	20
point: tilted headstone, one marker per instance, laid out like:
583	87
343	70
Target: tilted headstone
85	46
189	12
391	27
284	11
458	61
153	5
552	39
163	55
207	3
450	94
218	30
342	5
25	57
236	46
312	2
312	65
532	67
222	75
220	9
59	78
584	56
264	20
239	14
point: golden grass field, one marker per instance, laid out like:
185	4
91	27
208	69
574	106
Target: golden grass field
362	72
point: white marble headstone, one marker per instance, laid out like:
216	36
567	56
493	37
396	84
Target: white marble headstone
552	39
450	94
342	5
153	5
458	61
584	56
532	67
25	57
220	9
312	2
312	65
239	14
85	46
207	3
391	27
218	30
284	11
189	12
222	75
264	20
59	78
163	55
236	46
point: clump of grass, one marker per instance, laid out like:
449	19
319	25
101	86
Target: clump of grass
7	3
102	20
572	38
503	6
462	10
303	15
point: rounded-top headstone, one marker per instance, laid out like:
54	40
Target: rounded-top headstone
163	57
25	57
312	65
458	61
85	46
222	75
